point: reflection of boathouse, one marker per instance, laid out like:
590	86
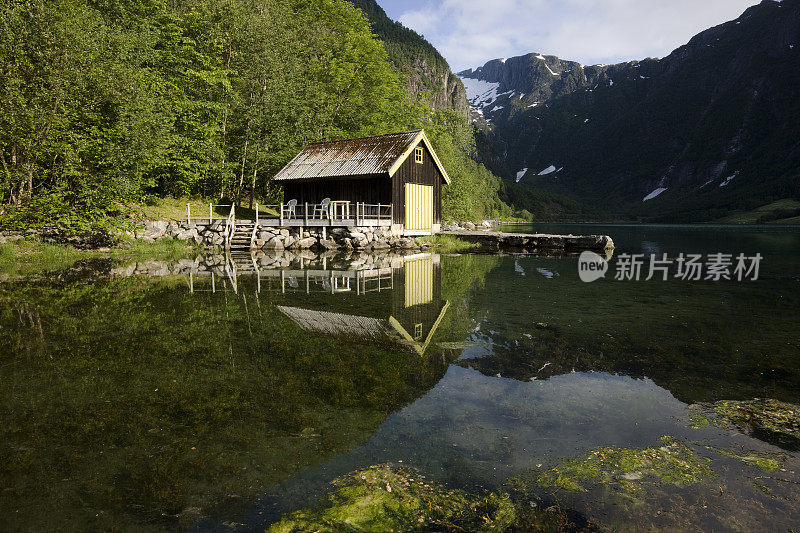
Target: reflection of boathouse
407	312
392	300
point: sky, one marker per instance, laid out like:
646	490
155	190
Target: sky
471	32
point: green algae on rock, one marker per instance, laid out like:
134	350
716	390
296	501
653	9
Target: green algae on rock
673	463
769	420
775	421
390	498
761	461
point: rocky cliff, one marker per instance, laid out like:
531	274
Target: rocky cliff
711	129
426	72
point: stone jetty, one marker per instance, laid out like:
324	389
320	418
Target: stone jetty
538	242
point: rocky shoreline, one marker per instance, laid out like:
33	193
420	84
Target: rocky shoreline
361	238
364	238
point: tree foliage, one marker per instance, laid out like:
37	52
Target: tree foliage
105	102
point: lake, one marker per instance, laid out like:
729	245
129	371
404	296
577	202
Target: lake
224	392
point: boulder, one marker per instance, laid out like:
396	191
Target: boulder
306	242
469	226
186	235
328	244
274	243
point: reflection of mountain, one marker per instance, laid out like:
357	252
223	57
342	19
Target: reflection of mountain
701	341
153	405
689	376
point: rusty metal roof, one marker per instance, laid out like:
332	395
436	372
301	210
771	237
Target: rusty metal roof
351	157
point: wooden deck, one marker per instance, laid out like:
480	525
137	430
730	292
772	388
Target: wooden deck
318	223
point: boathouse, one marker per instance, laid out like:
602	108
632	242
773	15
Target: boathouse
390	180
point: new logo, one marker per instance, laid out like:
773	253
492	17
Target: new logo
591	267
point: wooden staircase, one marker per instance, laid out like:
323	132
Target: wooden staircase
242	238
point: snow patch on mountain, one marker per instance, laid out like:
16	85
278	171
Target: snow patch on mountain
480	93
521	174
548	170
729	179
542	58
654	194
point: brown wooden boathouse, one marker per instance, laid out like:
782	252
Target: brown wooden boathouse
389	180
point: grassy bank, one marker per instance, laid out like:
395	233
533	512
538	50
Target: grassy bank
29	256
446	244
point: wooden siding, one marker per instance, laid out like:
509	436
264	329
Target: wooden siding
371	190
425	173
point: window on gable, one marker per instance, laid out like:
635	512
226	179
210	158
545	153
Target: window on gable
418	155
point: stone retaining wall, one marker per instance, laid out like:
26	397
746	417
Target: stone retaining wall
365	238
493	241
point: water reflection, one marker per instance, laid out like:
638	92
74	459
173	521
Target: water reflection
224	390
161	394
403	294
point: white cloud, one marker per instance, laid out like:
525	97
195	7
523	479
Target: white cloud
470	32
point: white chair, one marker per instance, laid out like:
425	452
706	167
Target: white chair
291	209
323	209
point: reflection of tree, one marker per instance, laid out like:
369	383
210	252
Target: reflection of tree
156	407
154	404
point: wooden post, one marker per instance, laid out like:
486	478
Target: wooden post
379	214
256	214
280	216
188	213
210	212
305	214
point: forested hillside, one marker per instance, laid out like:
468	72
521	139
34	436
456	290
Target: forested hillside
104	103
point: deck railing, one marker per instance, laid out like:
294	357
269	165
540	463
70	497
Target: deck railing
197	212
230	227
359	212
356	211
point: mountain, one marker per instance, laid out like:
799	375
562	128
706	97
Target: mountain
711	130
425	71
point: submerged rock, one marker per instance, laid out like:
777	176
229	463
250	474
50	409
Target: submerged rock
672	462
388	498
772	421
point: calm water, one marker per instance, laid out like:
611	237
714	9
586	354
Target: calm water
221	394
